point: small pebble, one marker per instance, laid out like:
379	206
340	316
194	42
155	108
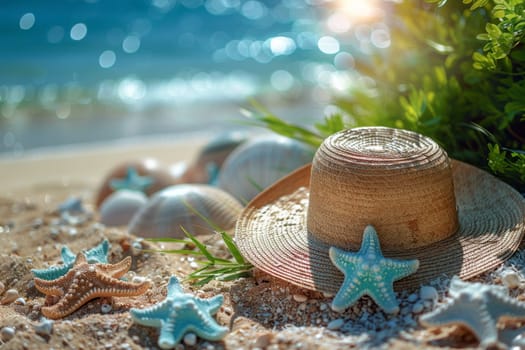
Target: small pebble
412	298
417	308
20	301
105	308
45	327
428	293
194	265
9	296
300	298
190	339
511	279
2	288
335	324
7	333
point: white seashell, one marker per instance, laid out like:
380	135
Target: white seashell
120	206
9	296
258	163
169	209
7	333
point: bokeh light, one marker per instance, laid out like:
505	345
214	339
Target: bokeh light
27	21
78	31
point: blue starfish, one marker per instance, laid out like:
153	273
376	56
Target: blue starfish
369	272
133	181
478	307
98	254
180	313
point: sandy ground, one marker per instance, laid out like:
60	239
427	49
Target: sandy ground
261	312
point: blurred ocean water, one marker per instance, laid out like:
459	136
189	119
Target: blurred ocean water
76	71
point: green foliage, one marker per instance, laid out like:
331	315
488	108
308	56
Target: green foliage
510	163
213	267
454	72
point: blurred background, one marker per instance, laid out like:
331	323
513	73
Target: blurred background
80	71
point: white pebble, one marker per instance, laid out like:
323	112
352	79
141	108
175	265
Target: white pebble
45	327
511	279
7	333
335	324
428	293
190	339
20	301
105	308
138	279
417	308
10	296
300	298
194	265
2	288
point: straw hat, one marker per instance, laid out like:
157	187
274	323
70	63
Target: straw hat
455	218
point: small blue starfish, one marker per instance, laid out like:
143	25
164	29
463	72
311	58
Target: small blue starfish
368	272
133	181
180	313
98	254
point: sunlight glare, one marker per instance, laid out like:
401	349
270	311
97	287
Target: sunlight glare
359	10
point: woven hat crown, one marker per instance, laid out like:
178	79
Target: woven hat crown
396	180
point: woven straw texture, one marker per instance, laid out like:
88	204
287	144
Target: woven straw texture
272	230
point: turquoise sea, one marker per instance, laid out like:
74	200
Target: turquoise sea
80	71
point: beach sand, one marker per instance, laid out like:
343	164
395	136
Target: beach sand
261	312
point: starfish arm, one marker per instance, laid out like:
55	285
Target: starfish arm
151	316
52	273
112	287
116	270
347	295
207	328
174	287
98	254
48	287
385	297
499	305
397	269
212	304
171	333
68	257
470	314
370	243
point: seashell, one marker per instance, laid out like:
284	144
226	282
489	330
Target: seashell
145	167
258	163
168	210
120	206
211	158
9	296
2	287
7	333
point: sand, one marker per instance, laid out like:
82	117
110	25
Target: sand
260	311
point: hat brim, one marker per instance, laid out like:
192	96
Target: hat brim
271	233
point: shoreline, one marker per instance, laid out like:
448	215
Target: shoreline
89	163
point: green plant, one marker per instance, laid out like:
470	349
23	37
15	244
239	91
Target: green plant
454	72
213	267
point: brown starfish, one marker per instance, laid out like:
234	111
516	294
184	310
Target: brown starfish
85	282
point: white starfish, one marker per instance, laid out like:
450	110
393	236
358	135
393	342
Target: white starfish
478	307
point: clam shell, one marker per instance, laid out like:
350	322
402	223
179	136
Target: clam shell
120	206
212	156
144	167
257	164
168	210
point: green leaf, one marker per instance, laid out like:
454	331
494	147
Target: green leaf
232	247
493	30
